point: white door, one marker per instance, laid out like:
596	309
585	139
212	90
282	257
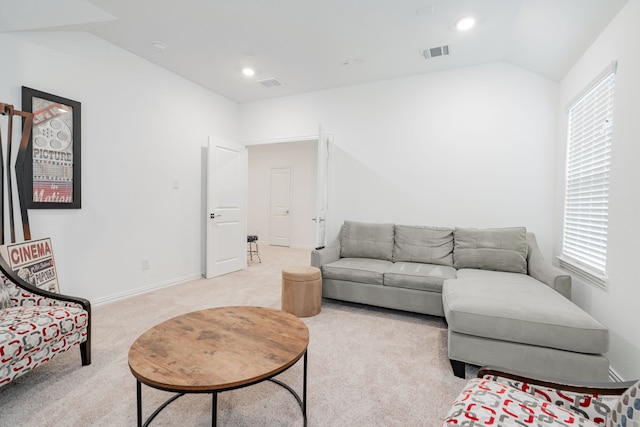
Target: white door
226	208
322	191
280	201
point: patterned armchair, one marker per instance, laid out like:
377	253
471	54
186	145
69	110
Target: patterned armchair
36	325
499	398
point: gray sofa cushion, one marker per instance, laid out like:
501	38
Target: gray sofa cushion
362	240
519	309
500	249
361	270
422	277
472	273
427	245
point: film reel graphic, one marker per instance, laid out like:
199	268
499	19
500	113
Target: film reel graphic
54	135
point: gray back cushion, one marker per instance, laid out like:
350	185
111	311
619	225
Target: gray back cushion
362	240
500	249
427	245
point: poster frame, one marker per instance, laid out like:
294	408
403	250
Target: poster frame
28	95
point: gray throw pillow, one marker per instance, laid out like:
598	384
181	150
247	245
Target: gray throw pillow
363	240
427	245
499	249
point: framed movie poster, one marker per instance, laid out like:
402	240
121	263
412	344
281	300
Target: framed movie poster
33	262
52	163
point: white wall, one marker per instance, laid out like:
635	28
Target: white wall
616	307
301	157
142	126
469	147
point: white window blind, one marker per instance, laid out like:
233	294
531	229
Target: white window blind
587	176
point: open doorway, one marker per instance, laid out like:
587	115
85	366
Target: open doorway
267	166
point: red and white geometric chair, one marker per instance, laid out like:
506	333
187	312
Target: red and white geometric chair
501	398
36	325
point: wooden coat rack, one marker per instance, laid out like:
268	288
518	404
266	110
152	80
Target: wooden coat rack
6	172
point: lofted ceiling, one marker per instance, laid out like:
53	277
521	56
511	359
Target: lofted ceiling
310	45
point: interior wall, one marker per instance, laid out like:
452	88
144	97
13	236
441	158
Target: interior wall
301	157
470	147
617	306
142	128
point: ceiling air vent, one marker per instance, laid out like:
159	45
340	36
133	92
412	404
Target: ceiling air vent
433	52
271	82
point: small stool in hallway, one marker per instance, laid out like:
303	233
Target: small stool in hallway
253	240
301	290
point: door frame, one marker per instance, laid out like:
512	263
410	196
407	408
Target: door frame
301	139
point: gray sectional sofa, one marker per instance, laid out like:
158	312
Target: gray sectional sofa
504	305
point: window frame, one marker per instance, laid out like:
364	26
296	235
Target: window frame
585	224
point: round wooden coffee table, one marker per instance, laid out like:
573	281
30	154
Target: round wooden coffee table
219	349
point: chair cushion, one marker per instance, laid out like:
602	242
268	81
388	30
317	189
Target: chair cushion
518	308
30	335
362	240
626	413
489	403
423	277
426	245
500	249
361	270
589	406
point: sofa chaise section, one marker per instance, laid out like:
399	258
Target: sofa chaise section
506	322
499	315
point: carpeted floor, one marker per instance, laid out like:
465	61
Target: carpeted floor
367	366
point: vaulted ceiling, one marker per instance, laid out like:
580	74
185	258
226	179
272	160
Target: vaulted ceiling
309	45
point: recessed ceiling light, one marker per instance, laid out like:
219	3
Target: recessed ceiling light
247	71
466	23
158	46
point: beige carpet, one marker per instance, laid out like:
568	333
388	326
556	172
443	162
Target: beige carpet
367	366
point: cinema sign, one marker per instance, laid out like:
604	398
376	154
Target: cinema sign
33	262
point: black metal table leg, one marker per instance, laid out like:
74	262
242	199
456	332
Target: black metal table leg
139	404
304	390
214	409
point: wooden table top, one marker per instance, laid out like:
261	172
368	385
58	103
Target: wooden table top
218	348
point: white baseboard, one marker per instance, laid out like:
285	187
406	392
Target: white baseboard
292	246
143	290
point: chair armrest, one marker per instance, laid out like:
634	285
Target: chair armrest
611	389
540	270
326	255
21	283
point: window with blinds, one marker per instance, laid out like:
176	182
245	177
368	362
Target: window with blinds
584	250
